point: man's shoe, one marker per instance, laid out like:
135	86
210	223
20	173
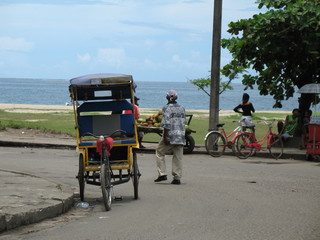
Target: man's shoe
176	181
161	178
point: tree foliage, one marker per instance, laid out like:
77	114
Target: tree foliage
204	85
280	47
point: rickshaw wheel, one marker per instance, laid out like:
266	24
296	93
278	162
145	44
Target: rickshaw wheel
81	176
136	176
106	186
189	146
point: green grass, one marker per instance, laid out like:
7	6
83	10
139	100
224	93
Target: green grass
63	122
56	122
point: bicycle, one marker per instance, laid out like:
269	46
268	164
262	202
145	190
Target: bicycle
105	168
246	142
216	141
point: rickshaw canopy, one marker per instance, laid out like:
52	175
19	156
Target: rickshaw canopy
101	86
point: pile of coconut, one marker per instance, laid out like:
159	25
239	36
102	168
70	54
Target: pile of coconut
152	120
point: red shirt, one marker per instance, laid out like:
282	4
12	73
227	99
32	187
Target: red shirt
136	111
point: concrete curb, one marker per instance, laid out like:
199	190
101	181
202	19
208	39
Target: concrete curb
55	202
35	145
58	207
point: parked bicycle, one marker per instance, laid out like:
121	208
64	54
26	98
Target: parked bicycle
245	143
216	141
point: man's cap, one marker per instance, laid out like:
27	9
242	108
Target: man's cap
172	93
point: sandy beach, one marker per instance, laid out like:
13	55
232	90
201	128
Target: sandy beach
29	108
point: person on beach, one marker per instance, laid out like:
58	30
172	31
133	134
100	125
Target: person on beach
289	127
173	138
246	109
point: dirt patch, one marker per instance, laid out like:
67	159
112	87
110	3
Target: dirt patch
28	132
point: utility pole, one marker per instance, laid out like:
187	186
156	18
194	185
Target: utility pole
215	65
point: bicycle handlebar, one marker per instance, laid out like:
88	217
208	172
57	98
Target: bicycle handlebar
119	130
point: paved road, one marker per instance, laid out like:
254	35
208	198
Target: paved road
221	199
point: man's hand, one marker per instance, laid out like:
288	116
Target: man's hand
166	137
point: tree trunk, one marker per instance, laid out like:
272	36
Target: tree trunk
305	101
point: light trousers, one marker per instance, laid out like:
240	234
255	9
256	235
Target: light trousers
177	151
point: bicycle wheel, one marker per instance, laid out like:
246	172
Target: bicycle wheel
275	146
81	177
136	176
215	144
106	185
241	146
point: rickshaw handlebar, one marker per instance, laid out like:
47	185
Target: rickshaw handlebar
110	135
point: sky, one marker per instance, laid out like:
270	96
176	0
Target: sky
153	40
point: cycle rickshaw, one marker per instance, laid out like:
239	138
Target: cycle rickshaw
106	134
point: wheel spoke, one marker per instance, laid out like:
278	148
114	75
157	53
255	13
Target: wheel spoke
106	186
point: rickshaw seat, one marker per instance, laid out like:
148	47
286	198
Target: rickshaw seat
104	106
106	124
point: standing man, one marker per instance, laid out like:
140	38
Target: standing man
173	138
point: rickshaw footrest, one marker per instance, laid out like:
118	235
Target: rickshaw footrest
124	180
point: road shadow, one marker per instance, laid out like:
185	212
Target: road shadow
270	163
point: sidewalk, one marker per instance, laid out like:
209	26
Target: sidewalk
26	199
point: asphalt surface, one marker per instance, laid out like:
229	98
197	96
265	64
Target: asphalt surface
27	199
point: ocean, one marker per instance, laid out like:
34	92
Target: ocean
151	94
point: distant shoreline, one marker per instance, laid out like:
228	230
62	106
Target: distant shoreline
8	106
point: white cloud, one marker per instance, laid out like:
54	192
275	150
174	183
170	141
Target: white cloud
195	54
176	58
150	65
182	62
111	56
84	58
15	44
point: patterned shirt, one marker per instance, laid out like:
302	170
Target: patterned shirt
174	119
